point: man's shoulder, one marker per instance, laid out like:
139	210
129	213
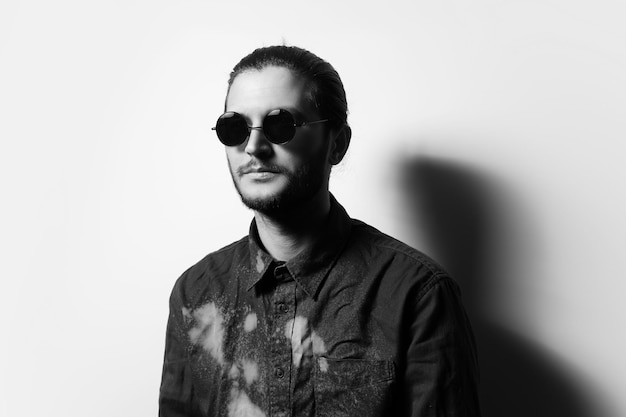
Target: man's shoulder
380	244
400	268
227	253
217	263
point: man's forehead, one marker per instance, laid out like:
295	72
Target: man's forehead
271	87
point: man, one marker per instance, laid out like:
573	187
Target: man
312	313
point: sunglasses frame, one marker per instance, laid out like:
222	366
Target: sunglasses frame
262	127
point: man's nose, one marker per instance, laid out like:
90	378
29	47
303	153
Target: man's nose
257	143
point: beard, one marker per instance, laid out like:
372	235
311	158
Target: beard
302	185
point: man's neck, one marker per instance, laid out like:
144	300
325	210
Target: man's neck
287	234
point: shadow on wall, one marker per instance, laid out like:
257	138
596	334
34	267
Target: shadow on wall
455	208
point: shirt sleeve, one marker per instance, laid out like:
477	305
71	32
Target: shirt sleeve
442	372
176	396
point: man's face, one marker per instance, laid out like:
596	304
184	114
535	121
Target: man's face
271	177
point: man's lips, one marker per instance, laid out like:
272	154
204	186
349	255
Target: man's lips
255	169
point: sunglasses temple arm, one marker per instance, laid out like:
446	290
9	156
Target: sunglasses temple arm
312	123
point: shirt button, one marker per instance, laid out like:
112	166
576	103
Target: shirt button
279	372
282	307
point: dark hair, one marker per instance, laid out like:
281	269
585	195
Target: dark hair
327	93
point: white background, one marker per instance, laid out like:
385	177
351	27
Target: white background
489	134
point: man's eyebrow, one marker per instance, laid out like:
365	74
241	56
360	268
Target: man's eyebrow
301	116
242	113
298	114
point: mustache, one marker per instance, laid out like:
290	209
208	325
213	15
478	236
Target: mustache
257	166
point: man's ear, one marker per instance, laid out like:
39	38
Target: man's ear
339	144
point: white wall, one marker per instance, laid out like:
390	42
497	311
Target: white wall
489	134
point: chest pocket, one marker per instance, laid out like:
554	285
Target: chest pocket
353	387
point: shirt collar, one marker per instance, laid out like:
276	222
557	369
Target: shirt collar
310	267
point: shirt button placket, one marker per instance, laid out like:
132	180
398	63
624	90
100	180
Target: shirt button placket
280	389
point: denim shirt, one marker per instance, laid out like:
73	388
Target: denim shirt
358	325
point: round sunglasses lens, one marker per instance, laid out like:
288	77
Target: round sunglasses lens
231	129
279	126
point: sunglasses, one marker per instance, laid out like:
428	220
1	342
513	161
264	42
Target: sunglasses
279	127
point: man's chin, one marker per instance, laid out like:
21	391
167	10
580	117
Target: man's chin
267	204
274	203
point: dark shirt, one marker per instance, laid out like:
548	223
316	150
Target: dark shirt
358	325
